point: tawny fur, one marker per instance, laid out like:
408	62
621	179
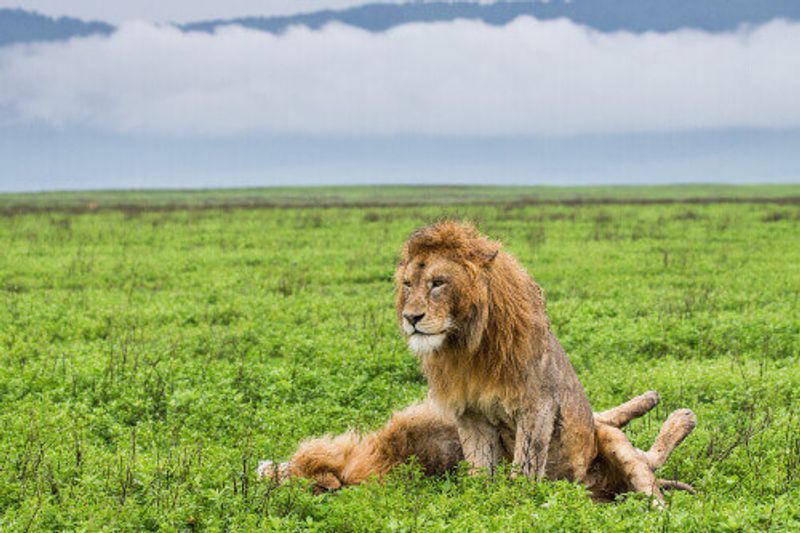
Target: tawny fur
500	385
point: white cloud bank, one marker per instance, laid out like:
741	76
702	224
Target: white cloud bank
461	78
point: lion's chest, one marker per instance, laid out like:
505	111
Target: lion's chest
470	397
498	417
464	390
482	404
496	414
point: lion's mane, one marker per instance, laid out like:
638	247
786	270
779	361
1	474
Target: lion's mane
500	320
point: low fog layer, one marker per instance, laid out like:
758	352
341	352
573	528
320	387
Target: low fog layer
461	78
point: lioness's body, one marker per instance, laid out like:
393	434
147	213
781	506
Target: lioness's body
477	321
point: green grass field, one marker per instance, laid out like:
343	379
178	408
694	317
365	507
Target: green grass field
150	356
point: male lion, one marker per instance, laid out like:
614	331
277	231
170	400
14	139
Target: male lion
477	321
500	385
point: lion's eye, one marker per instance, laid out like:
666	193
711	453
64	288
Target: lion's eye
437	283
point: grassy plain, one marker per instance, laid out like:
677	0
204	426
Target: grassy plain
389	195
149	357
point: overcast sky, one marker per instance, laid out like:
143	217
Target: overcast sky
176	10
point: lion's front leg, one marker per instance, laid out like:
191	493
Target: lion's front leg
534	432
480	442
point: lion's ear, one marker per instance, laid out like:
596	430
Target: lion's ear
486	252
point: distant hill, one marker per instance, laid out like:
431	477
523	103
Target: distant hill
603	15
19	26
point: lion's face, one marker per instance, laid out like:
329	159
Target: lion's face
431	295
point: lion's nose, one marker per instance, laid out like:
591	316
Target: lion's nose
412	318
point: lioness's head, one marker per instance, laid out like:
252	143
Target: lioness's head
440	292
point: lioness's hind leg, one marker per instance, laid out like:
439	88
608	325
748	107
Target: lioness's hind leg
677	427
622	414
627	463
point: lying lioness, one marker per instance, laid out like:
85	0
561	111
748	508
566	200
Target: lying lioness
500	385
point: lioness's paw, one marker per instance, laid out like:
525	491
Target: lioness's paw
278	472
652	398
683	419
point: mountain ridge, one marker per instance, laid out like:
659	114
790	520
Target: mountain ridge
603	15
22	26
